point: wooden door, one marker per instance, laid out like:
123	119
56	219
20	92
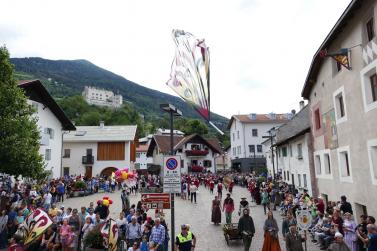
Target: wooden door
88	171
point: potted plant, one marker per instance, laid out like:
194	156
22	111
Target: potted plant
94	240
80	187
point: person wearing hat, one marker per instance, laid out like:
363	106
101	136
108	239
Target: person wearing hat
293	240
228	207
246	228
339	244
244	204
186	240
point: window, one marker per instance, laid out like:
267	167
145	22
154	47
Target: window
284	175
344	162
317	119
252	148
372	152
48	154
299	151
234	151
138	155
89	152
317	163
233	137
299	179
340	105
182	163
370	29
67	153
327	163
278	149
259	148
207	163
305	181
284	150
66	171
255	132
290	150
288	175
238	134
373	86
50	132
238	149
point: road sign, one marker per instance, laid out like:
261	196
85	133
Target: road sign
172	174
156	200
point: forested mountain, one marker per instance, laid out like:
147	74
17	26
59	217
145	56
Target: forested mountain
64	78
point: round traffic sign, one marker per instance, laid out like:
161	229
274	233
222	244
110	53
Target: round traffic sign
171	163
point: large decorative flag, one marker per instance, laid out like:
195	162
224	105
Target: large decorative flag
189	76
340	56
109	232
35	224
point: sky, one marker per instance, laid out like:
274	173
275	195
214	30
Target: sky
260	49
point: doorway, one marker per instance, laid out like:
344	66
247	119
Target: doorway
88	171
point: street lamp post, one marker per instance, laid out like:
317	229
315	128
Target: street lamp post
173	111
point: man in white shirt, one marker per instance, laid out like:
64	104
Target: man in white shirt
193	190
122	224
47	201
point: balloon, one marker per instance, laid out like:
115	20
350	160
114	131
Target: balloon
124	175
130	175
105	203
126	169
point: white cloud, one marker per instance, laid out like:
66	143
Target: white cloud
260	50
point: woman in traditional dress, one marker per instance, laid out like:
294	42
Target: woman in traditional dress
271	229
216	211
349	228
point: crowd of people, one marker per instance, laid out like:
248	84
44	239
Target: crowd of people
332	227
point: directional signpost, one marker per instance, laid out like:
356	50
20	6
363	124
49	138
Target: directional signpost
172	174
156	200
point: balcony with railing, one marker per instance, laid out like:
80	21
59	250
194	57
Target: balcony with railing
196	168
88	160
196	152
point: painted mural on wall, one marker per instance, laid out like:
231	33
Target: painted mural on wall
330	132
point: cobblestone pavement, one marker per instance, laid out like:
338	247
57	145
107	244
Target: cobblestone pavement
210	237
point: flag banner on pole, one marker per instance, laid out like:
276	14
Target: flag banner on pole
340	56
109	232
35	224
189	76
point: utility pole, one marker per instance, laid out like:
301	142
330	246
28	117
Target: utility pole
173	111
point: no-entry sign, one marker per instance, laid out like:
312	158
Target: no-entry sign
156	200
172	174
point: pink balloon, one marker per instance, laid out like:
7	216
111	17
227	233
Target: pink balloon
130	175
126	169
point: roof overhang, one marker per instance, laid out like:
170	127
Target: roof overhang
35	91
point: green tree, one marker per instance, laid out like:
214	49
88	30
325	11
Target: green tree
195	126
19	135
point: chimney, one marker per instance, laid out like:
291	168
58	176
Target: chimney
293	112
101	124
302	104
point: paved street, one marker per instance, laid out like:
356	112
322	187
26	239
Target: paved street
210	237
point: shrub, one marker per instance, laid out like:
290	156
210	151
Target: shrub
80	185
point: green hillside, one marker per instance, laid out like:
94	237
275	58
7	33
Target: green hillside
65	78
